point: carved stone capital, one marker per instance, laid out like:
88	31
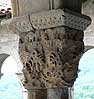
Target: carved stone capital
51	57
50	47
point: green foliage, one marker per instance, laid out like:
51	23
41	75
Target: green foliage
84	0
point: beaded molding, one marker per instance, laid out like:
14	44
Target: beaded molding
58	17
47	19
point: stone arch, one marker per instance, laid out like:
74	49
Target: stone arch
19	76
88	48
3	57
87	56
85	80
9	65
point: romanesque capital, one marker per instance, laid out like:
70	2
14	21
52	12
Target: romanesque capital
50	46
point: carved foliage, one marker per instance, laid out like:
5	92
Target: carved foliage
51	56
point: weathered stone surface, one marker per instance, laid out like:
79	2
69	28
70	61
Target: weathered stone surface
54	18
50	54
51	57
45	20
22	7
59	93
37	94
50	51
33	6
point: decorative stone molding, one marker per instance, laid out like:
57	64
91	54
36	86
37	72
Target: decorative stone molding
47	19
51	56
55	18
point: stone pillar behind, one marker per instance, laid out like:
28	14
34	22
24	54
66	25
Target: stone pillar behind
22	7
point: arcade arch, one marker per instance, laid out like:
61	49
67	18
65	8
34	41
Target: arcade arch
9	77
9	65
84	85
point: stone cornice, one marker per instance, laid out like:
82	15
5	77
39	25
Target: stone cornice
47	19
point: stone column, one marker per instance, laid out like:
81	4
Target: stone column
50	45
